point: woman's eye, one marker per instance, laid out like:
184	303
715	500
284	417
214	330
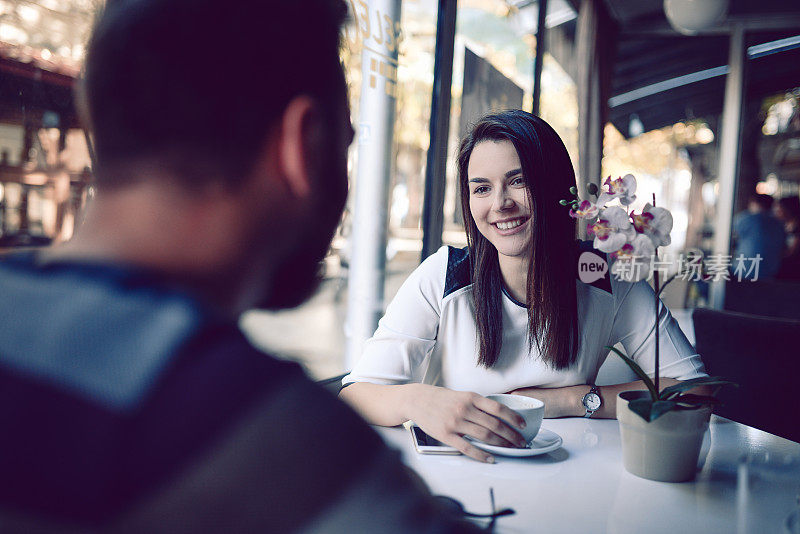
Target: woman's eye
519	180
481	189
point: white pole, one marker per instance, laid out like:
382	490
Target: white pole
729	151
378	22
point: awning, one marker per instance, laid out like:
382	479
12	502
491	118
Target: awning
663	77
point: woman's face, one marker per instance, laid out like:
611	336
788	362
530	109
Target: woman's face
498	197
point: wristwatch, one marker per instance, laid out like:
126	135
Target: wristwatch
592	401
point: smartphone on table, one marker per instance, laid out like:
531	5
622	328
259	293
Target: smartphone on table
424	444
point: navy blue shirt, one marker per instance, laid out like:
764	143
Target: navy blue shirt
759	234
123	401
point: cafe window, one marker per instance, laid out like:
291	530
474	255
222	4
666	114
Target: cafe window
493	65
411	81
45	168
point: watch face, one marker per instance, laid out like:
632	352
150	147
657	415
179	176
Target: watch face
592	401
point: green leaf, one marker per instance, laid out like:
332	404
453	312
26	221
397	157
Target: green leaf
638	370
686	385
690	399
661	407
668	396
642	408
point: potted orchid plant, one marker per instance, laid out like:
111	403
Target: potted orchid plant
662	430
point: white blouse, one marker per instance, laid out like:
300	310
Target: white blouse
429	335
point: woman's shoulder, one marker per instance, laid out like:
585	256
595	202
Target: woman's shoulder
458	273
445	271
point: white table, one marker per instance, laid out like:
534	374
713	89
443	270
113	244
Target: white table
583	487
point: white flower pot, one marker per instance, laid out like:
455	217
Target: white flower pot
666	449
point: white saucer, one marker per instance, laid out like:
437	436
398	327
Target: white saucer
545	441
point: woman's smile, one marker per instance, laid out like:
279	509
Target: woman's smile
510	226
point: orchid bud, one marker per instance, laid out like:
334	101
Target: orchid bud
573	190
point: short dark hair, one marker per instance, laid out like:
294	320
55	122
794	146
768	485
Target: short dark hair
764	201
195	85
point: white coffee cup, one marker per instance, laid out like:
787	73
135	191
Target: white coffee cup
530	409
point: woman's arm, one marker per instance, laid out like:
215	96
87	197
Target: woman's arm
633	326
384	386
442	413
568	401
379	404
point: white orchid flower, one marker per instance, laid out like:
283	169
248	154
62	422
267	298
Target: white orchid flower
611	230
633	259
586	210
621	188
655	223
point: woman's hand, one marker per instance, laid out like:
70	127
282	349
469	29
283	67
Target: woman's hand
449	415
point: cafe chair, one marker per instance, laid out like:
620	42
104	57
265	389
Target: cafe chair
760	354
770	298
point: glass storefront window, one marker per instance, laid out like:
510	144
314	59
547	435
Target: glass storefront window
412	79
662	168
44	159
492	70
559	105
493	67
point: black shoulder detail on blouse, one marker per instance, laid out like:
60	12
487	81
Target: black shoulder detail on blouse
459	272
603	283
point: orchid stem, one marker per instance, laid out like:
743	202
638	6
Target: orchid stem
658	292
655	280
665	284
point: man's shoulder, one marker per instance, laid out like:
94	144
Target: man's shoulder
111	367
105	333
112	335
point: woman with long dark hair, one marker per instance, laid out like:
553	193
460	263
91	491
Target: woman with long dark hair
508	313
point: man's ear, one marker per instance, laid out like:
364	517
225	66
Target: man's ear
299	131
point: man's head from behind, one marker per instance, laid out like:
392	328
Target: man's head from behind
760	203
247	97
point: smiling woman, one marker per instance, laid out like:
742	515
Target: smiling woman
508	313
531	169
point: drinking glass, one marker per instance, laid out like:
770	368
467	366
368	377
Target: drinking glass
768	493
